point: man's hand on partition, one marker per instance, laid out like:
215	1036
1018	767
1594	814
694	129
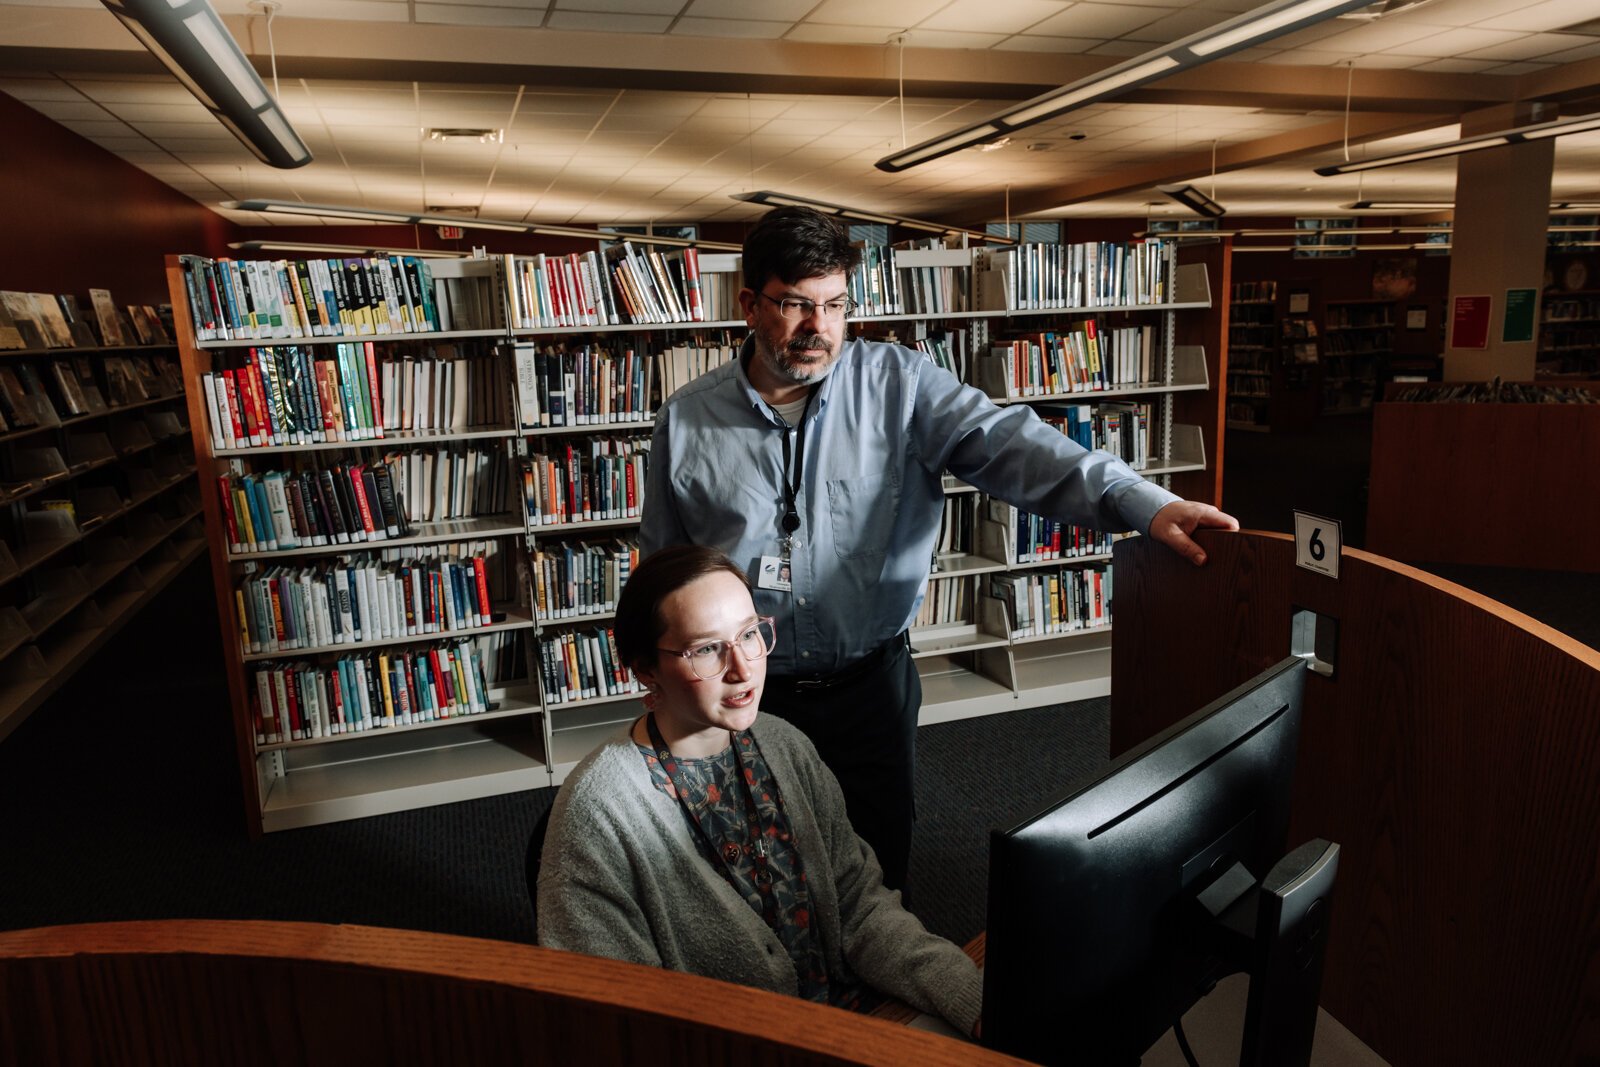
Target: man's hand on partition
1174	523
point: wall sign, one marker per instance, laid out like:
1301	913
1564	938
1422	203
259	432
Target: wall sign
1469	321
1519	315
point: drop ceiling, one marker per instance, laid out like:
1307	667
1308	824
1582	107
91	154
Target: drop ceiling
628	111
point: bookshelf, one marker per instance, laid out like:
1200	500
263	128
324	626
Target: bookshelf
575	407
99	503
1252	355
1357	347
1569	334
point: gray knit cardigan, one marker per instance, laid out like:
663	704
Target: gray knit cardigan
622	877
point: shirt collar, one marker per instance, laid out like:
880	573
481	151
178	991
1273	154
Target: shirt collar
747	351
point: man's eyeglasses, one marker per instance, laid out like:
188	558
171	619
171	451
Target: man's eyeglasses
711	659
795	309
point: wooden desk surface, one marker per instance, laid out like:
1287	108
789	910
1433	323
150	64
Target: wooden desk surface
215	991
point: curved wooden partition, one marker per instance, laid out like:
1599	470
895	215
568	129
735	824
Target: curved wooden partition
206	992
1455	758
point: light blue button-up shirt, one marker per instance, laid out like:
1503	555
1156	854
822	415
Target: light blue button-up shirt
884	426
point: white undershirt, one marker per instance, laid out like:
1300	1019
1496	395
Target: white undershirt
791	412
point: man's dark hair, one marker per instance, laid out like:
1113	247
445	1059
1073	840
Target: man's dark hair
796	243
638	626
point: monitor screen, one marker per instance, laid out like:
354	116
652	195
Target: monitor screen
1096	940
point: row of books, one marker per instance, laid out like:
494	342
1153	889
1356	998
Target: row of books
601	478
355	600
1037	276
54	320
933	279
682	363
583	384
956	526
360	495
1086	357
874	284
627	284
1018	536
946	349
945	603
1053	602
1121	429
284	395
232	299
580	578
337	504
302	701
583	665
1251	292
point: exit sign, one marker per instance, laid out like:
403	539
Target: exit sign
450	233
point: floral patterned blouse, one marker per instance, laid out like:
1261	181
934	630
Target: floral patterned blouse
718	801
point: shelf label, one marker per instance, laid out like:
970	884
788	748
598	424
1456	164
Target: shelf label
1317	543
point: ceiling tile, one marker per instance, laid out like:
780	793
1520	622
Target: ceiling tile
1551	15
747	28
1533	46
608	22
992	16
1457	42
1176	25
893	13
779	10
818	33
926	38
1038	43
1097	20
478	15
1459	66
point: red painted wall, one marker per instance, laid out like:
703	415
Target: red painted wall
74	217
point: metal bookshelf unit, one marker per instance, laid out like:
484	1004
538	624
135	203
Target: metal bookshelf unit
531	737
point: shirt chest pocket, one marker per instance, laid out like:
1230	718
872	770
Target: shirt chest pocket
863	513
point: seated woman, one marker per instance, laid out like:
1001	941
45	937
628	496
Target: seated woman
713	840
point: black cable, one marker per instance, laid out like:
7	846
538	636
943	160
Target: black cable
1183	1044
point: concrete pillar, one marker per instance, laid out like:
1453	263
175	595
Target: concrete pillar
1498	243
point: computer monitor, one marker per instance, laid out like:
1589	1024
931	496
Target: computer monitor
1118	906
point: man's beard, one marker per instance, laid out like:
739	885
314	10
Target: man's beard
790	362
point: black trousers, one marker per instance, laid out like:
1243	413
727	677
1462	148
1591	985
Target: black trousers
865	730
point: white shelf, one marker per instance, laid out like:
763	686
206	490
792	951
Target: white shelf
950	639
390	439
515	620
479	528
952	691
401	770
1074	666
509	708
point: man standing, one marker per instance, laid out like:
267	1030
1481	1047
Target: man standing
817	465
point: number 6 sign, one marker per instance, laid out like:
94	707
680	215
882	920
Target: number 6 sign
1317	543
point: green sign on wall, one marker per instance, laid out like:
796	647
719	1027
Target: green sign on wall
1519	314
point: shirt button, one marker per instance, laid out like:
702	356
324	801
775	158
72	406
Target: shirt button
805	655
801	601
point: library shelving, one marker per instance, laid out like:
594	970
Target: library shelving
1357	346
100	506
1252	355
574	407
1569	334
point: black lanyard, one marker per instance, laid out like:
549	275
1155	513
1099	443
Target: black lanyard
791	483
756	843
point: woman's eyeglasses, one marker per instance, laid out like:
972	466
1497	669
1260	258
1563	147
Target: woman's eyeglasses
711	659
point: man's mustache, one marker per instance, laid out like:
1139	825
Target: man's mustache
810	343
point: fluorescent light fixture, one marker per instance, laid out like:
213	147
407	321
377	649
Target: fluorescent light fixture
775	199
191	42
345	250
427	218
1262	27
1560	207
1517	135
1194	200
1242	31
